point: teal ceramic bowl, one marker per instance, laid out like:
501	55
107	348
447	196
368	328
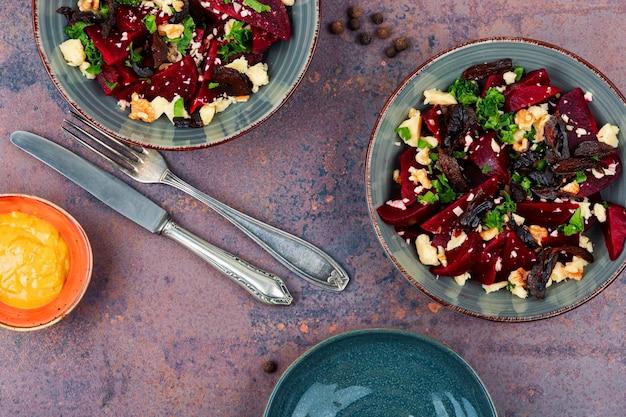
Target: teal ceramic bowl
287	62
567	71
379	372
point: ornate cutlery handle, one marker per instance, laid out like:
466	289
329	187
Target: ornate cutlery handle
264	286
301	257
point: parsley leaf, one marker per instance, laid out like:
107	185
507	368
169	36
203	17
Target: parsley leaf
257	6
464	91
150	21
576	224
497	217
404	132
238	40
445	192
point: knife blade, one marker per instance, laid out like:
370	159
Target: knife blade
124	199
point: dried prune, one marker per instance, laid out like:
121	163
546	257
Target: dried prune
232	82
480	71
539	274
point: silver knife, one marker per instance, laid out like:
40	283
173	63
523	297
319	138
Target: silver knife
118	195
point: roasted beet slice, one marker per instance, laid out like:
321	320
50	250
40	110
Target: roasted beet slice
432	121
534	77
515	254
462	258
523	96
490	261
114	48
415	213
130	19
547	214
407	163
574	110
179	79
261	40
614	230
493	81
275	20
490	157
446	220
205	94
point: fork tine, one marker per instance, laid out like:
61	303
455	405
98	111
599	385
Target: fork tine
95	150
117	142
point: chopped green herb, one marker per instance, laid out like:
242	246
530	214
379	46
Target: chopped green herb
179	107
429	198
257	6
213	85
150	22
132	3
404	132
444	191
465	92
183	42
486	169
581	177
576	224
238	40
423	144
497	217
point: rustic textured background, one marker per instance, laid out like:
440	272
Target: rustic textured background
159	333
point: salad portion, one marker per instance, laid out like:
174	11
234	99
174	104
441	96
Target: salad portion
500	178
186	59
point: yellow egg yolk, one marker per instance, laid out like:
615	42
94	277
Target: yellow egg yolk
34	261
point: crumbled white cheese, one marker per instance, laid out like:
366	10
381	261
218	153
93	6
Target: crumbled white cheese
600	212
73	52
434	96
495	286
456	241
608	134
509	77
426	252
462	279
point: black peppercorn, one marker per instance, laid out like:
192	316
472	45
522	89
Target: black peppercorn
377	18
382	32
354	24
390	52
400	44
336	28
365	38
354	12
269	367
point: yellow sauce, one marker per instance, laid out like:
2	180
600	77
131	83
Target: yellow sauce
34	261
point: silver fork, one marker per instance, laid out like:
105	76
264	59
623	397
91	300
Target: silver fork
148	166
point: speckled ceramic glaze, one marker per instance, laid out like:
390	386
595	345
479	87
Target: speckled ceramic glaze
379	372
567	71
287	62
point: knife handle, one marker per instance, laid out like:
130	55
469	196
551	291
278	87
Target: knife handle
264	286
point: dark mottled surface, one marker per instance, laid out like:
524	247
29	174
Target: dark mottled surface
161	334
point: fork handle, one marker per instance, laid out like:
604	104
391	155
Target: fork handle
301	257
263	285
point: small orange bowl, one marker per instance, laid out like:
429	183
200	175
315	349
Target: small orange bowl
81	264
